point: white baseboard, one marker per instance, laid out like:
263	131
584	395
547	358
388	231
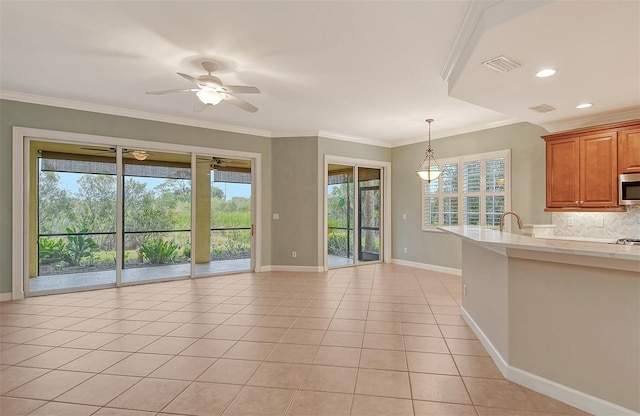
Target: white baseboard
572	397
425	266
277	268
500	362
568	395
6	296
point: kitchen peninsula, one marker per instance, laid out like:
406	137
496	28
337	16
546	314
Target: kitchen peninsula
560	317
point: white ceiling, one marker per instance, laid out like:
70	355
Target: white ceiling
362	71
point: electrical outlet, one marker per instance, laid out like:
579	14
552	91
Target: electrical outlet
570	222
294	254
405	250
276	216
404	216
464	289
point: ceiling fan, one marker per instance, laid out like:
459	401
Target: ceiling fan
137	154
210	90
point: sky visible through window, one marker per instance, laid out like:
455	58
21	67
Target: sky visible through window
69	181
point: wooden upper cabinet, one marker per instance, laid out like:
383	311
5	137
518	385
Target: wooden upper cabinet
563	166
629	150
599	170
583	166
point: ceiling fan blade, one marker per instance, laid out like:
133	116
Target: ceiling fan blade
241	89
169	91
199	106
190	78
241	103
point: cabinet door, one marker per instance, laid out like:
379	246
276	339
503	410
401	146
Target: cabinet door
599	170
629	151
563	180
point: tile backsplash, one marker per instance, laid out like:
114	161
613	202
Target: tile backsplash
598	224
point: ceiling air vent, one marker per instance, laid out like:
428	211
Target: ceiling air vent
542	108
501	64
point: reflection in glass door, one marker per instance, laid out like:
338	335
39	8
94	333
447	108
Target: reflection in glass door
157	215
368	214
340	215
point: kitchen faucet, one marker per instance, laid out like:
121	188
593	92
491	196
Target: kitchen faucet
520	225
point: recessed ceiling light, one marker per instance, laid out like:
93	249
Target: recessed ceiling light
546	73
584	105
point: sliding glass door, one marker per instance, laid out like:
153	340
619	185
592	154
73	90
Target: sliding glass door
156	215
340	215
369	214
354	201
74	207
224	230
104	216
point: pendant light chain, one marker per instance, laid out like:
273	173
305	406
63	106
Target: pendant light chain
429	169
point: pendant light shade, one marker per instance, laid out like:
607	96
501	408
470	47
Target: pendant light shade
429	169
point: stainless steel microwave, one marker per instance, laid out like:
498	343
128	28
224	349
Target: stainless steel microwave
629	189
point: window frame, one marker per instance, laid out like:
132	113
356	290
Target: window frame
482	194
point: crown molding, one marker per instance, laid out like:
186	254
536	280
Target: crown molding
281	134
83	106
332	135
465	36
462	130
630	113
124	112
355	139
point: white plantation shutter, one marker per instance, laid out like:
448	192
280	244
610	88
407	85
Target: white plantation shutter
494	185
472	190
494	175
471	176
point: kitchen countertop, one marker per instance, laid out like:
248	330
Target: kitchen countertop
491	237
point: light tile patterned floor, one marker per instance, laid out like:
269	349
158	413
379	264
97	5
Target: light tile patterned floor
372	340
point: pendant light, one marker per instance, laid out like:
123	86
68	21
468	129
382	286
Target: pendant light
429	169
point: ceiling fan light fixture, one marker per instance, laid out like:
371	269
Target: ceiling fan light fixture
140	154
429	169
209	96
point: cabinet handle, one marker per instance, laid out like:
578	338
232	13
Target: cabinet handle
581	202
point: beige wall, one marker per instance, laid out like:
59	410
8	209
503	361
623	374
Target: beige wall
295	200
527	190
298	194
578	326
570	319
484	272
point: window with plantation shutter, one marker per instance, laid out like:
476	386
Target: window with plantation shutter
472	190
